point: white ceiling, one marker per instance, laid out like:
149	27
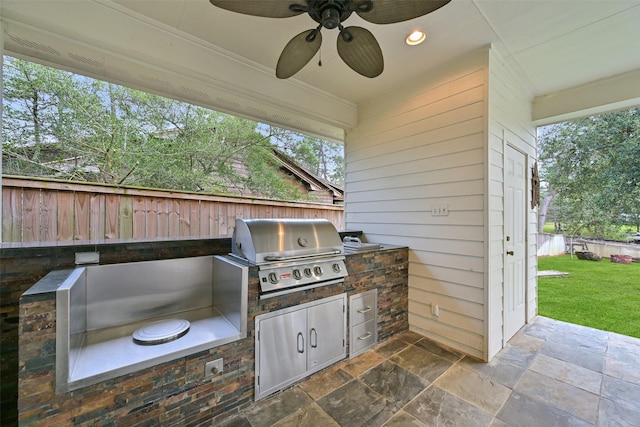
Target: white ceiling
555	46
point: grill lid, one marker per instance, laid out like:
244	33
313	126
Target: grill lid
279	240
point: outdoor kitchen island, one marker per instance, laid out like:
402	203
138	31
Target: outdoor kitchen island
180	391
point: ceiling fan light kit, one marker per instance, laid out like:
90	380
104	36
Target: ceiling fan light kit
357	46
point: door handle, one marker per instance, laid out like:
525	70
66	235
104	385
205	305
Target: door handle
364	310
300	340
314	342
510	253
365	336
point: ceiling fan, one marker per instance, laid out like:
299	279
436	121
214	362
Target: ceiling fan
357	46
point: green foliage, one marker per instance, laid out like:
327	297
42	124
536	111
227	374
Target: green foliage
613	232
57	124
602	295
592	165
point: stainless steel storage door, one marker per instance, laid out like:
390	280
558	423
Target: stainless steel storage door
297	341
282	351
326	334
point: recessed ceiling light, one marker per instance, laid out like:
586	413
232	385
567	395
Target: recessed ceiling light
415	38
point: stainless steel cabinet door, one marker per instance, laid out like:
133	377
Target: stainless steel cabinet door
282	347
297	341
326	332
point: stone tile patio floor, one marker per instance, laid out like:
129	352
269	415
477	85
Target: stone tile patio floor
550	373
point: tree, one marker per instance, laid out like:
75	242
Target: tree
31	112
61	125
591	169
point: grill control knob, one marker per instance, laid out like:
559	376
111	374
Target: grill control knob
336	268
296	274
307	272
273	277
317	270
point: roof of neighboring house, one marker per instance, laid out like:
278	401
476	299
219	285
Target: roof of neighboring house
314	182
310	180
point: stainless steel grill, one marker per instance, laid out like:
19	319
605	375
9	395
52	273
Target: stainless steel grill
291	254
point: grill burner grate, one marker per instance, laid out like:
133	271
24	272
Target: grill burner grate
161	331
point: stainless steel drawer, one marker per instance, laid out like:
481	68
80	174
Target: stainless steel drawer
363	336
363	308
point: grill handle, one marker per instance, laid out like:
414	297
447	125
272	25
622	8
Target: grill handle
292	257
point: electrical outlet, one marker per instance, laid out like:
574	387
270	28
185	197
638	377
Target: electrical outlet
87	258
435	310
214	368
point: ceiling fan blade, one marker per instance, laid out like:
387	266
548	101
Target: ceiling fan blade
298	52
390	11
267	9
360	50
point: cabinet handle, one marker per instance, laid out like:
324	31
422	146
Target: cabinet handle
365	336
300	340
314	342
364	310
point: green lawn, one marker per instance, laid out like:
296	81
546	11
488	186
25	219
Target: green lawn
602	295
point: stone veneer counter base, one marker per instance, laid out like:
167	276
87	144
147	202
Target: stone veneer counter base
178	392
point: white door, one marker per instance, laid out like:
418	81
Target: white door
515	245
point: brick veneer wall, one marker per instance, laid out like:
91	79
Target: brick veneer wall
177	392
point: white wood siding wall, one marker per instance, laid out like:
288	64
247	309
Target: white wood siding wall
413	150
510	123
441	141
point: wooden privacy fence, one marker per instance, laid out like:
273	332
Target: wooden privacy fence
35	210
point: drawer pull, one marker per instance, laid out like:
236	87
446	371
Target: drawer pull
365	336
364	310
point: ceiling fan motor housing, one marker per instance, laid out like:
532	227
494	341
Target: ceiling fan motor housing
330	13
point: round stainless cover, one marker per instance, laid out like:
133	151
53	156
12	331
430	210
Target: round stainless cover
161	331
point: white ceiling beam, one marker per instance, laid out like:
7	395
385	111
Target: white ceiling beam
601	96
